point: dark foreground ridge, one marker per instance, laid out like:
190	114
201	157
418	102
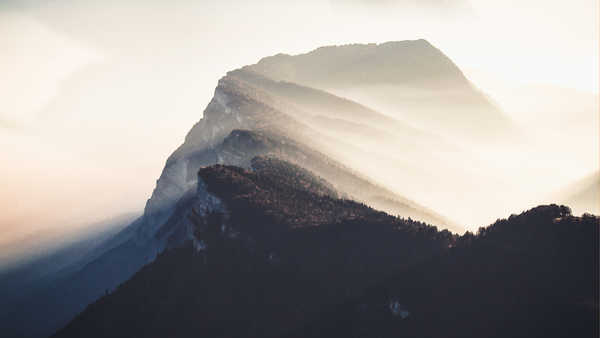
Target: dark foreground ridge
286	257
531	275
283	249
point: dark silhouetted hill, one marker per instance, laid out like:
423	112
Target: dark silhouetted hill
282	256
282	248
531	275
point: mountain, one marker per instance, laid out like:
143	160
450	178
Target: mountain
248	101
276	253
241	144
531	275
410	80
273	247
414	62
358	150
214	139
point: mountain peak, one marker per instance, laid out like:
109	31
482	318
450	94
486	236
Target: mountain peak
410	62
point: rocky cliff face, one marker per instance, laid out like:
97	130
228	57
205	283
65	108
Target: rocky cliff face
235	105
240	103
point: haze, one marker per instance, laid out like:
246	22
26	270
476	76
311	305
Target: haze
94	96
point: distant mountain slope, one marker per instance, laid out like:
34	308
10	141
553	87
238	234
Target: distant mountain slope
276	247
319	103
344	119
531	275
23	279
411	80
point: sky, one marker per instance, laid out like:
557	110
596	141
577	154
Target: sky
95	95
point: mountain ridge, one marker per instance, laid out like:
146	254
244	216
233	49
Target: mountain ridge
352	53
267	117
411	80
249	264
258	232
530	275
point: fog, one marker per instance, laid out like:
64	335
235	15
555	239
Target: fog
555	143
94	96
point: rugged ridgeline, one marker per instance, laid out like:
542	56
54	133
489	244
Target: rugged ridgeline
271	248
289	113
275	253
412	80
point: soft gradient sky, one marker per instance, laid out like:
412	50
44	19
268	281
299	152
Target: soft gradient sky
94	95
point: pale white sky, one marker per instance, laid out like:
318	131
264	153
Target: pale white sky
94	95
